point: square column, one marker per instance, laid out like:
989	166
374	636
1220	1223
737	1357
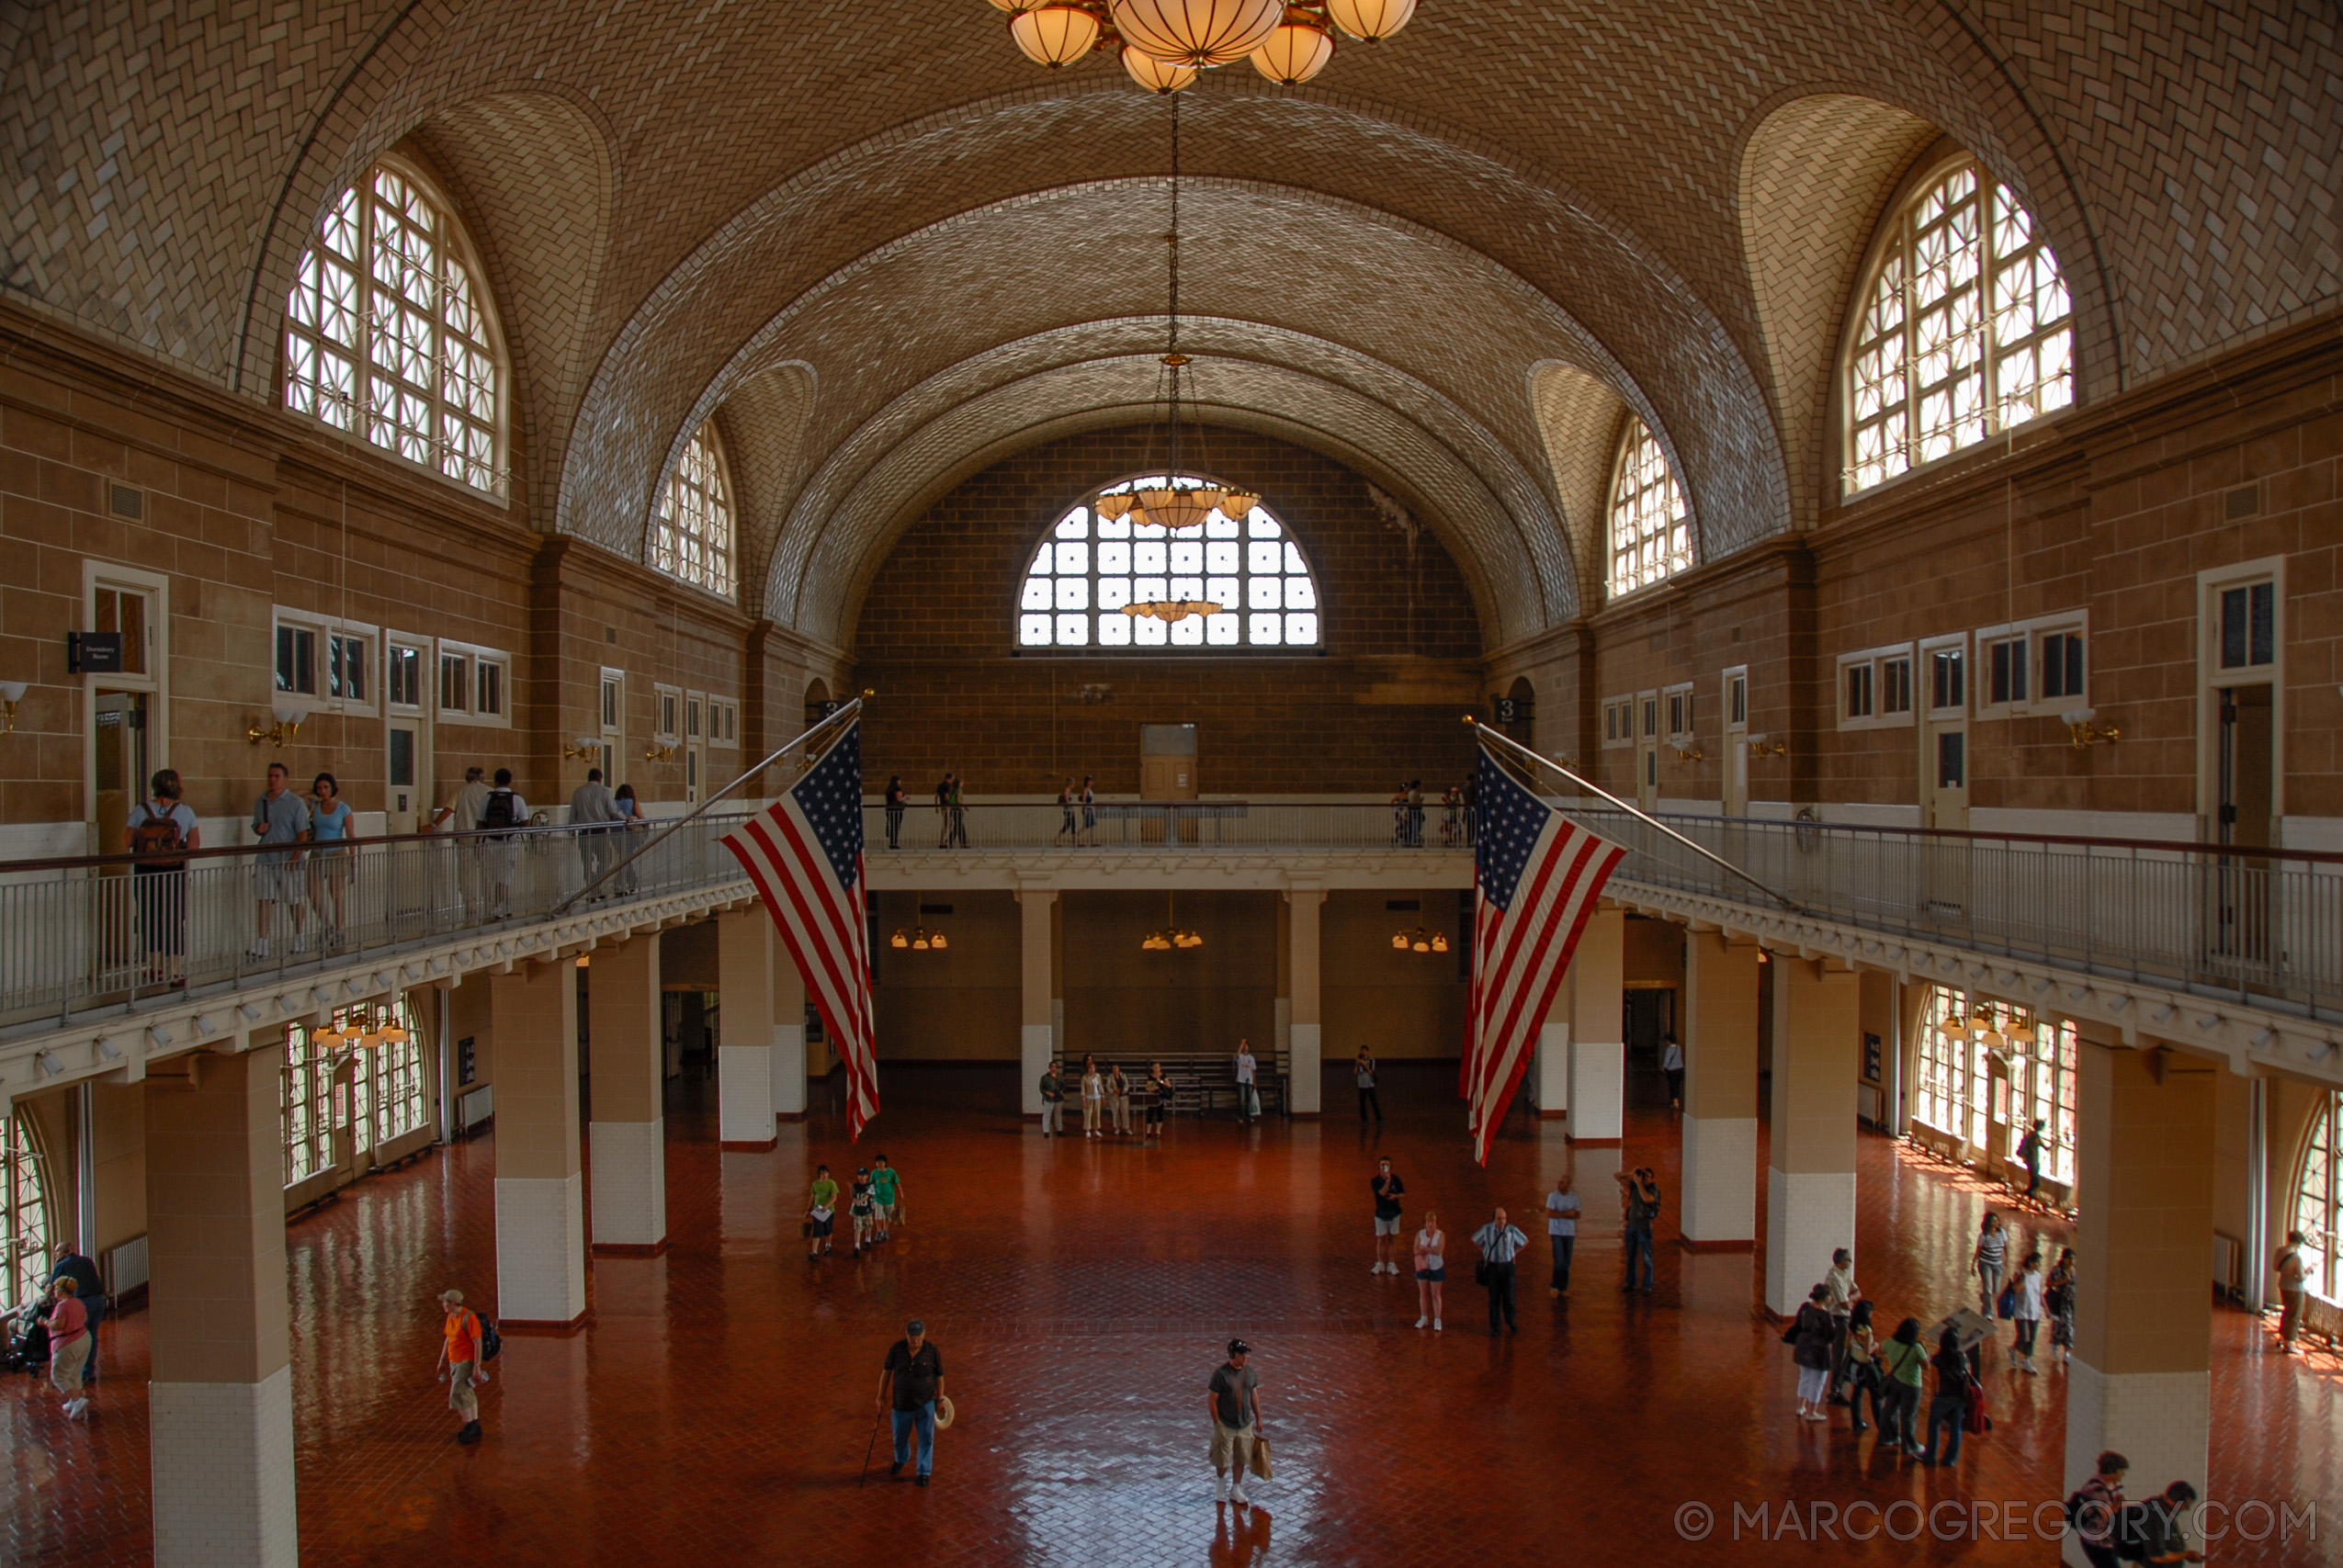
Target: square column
1597	1092
1719	1201
1810	1185
788	1037
1036	964
220	1416
1303	1089
744	941
629	1126
1550	1070
540	1190
2141	1382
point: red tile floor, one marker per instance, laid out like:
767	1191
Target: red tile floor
717	1409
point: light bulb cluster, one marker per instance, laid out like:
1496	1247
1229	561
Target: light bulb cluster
1417	940
1176	506
1164	43
920	940
1165	941
367	1027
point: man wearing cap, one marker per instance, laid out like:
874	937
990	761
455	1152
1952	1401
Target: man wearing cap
1235	1404
458	1355
915	1368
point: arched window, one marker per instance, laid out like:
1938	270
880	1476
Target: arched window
1651	529
1245	575
1965	330
693	536
387	335
24	1209
1962	1038
2316	1201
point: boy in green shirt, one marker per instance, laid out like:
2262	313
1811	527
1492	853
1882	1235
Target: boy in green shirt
886	1190
824	1203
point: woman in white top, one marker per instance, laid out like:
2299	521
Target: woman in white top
2029	1315
1430	1269
1093	1096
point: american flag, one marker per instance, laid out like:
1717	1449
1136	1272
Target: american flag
805	854
1536	876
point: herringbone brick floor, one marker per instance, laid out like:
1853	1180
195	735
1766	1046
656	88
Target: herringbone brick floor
716	1411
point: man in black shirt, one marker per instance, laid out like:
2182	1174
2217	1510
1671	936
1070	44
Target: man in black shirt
1387	1189
1234	1398
915	1368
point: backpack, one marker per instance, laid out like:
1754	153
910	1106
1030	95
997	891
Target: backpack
157	836
2132	1531
492	1344
498	811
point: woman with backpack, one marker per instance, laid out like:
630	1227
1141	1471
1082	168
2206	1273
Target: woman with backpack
1902	1365
1812	1334
162	830
1950	1408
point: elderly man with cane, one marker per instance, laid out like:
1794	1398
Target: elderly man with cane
915	1370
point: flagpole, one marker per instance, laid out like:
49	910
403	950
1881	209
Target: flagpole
851	706
1635	811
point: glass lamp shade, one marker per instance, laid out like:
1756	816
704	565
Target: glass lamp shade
938	942
1295	52
1421	943
1154	74
898	939
1197	33
1371	20
1179	508
1439	944
1399	942
1011	7
1054	36
1111	507
1237	504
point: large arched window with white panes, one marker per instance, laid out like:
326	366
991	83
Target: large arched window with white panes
388	335
1964	329
25	1254
1970	1044
1651	527
692	537
1124	584
2318	1199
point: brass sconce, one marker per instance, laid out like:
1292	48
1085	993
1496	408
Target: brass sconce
2085	733
662	748
11	694
279	735
584	745
1690	754
1761	747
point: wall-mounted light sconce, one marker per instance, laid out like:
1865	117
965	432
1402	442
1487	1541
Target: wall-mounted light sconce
582	747
1690	754
2081	726
662	748
1566	760
11	694
1761	747
279	735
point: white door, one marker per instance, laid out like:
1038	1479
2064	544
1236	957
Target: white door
404	768
1648	750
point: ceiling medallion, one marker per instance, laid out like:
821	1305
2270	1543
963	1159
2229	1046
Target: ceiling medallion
1164	43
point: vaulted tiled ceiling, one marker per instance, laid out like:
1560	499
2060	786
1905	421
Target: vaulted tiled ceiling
881	249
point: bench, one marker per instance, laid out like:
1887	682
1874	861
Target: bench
1201	1084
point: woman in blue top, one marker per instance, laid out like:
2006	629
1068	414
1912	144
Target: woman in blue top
333	829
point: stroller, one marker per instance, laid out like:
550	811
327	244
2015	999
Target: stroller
24	1341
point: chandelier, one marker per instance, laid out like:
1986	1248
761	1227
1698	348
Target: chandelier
361	1026
920	940
1171	935
1164	43
1416	941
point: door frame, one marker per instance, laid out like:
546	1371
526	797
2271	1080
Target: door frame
155	683
1935	720
2212	678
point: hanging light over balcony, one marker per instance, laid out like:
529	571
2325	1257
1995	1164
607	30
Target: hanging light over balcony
1197	33
1371	21
1054	36
1157	76
1296	50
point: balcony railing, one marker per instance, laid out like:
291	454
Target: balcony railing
108	931
1194	825
2261	926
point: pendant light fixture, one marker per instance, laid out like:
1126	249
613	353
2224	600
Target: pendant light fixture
1170	937
1164	43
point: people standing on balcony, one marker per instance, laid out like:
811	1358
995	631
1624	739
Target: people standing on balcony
2058	1299
630	821
334	834
162	832
503	810
1452	818
1431	1270
898	800
1069	828
1362	1070
1118	1099
278	817
2291	1277
1387	1189
959	838
1248	1095
1158	1093
943	810
1415	814
1399	818
593	817
1671	1063
460	814
2030	1156
1561	1232
1472	809
1093	1096
1088	798
1053	1100
1992	1253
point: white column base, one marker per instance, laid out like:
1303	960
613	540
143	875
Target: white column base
1598	1091
1306	1085
744	1094
2162	1422
629	1182
788	1069
1808	1215
540	1248
1719	1200
1034	1058
1550	1072
222	1458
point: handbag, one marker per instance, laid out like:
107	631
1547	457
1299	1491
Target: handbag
1481	1272
2006	1307
1261	1458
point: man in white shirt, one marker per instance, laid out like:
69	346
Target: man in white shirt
1248	1096
1671	1062
591	805
1562	1230
461	815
